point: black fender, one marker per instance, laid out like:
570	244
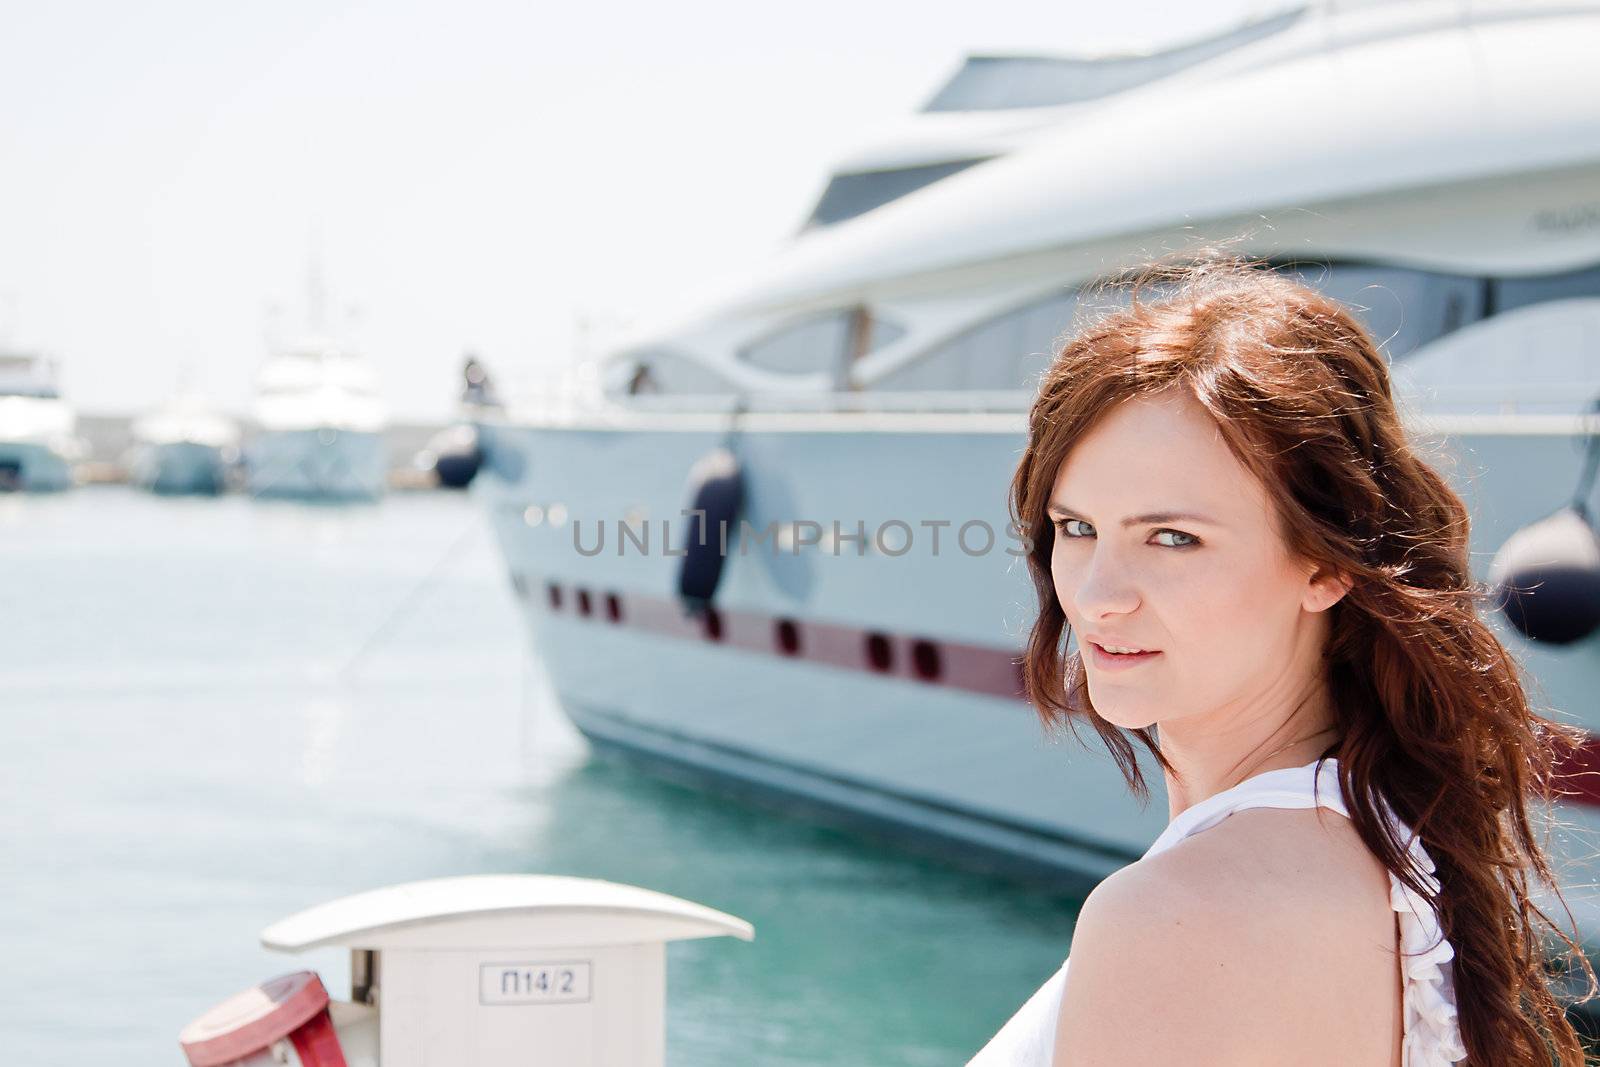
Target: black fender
1546	578
457	455
716	497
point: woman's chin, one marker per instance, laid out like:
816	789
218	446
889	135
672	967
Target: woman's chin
1122	712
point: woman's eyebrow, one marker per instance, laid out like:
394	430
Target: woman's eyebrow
1154	517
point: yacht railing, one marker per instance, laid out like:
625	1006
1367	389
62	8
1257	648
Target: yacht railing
551	407
574	393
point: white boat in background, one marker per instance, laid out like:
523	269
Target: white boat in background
38	429
186	446
319	426
860	402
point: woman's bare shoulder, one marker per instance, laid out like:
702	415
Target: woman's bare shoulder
1293	862
1260	940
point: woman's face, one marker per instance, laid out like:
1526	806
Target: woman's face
1166	543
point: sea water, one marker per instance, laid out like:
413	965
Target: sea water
217	712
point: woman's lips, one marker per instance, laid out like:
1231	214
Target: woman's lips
1118	661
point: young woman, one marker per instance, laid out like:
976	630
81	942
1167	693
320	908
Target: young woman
1269	590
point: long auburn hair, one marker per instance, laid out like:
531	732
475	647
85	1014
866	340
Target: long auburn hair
1429	705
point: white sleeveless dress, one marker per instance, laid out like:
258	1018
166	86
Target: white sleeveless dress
1432	1034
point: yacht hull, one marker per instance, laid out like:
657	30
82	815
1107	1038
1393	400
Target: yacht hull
33	466
181	467
318	464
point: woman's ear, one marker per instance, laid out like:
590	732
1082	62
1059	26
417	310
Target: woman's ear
1325	588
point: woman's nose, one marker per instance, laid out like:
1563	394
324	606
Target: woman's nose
1105	588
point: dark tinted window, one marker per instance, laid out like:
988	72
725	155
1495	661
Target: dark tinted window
849	195
990	83
884	332
1517	292
819	344
815	345
1007	352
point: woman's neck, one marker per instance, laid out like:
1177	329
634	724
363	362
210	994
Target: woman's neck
1211	756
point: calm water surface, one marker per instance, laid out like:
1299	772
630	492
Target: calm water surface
218	712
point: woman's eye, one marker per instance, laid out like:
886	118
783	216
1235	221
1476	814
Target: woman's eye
1077	528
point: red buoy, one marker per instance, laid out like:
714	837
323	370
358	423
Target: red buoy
291	1007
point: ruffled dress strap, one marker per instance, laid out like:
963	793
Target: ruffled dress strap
1433	1028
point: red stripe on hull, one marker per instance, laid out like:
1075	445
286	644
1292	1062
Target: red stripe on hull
981	669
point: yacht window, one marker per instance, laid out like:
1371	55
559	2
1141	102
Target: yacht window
1516	292
1009	351
1402	308
807	347
819	344
883	332
991	83
849	195
38	390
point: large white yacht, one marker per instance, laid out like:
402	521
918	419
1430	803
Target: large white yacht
319	426
859	401
38	428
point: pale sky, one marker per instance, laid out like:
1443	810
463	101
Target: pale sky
480	173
